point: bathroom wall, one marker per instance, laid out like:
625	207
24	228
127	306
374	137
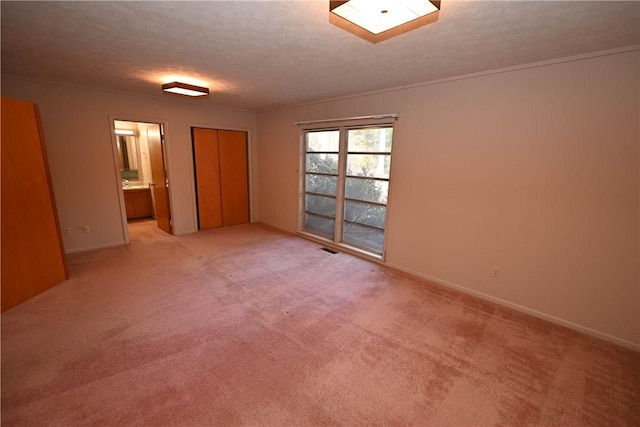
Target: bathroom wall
145	166
143	146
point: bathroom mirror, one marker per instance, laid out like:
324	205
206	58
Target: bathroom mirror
129	154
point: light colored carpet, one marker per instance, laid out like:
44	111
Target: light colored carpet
246	325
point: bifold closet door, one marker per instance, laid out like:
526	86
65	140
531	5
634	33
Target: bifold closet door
207	166
232	149
222	186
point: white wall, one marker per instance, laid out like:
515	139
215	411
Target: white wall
76	123
534	170
145	165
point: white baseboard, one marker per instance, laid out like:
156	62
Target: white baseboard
558	321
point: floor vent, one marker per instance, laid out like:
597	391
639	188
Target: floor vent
331	251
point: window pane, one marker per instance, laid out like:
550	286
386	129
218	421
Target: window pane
365	213
323	141
323	163
321	205
369	190
363	236
365	159
323	184
370	139
319	224
369	165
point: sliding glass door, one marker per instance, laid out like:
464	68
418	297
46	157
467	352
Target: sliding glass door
346	184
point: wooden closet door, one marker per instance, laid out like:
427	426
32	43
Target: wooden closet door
207	171
33	258
234	176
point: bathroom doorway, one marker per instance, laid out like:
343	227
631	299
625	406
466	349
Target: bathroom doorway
142	170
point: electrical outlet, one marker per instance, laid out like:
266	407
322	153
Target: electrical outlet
86	229
495	272
66	231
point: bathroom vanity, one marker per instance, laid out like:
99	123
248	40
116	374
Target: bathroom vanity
137	202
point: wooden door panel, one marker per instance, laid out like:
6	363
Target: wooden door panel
159	179
206	163
32	254
234	177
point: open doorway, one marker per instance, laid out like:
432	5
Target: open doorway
142	170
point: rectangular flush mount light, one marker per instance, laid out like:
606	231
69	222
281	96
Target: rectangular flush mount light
185	89
378	20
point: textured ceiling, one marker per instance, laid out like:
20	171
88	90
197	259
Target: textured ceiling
269	54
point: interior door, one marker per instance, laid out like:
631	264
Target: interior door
33	257
221	172
207	171
234	177
159	182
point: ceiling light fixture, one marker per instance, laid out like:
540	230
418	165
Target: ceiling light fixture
128	132
185	89
378	20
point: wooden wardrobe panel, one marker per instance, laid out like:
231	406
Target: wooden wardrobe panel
207	170
32	257
234	177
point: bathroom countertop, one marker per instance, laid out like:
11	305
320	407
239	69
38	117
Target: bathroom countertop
136	187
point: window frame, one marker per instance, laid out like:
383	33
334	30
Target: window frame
337	241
